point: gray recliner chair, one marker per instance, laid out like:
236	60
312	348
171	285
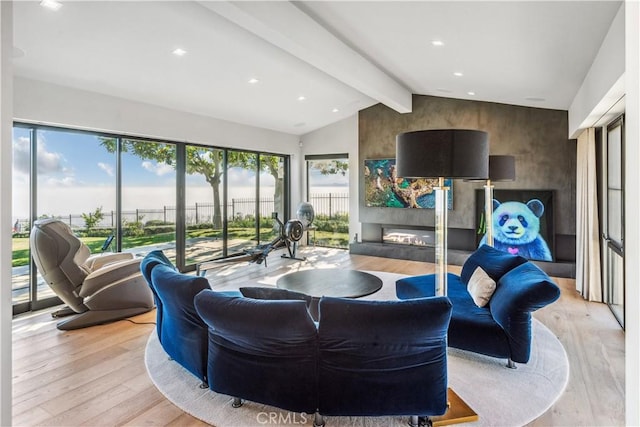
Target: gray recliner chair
97	289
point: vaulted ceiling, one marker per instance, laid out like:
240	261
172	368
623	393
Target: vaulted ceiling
312	63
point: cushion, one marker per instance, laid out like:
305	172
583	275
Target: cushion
493	261
481	287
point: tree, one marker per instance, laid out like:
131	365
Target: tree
205	161
93	218
331	167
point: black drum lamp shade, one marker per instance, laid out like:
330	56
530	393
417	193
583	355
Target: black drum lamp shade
443	153
502	168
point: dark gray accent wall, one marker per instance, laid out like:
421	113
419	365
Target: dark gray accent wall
545	158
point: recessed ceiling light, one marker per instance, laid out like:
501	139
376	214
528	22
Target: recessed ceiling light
301	98
535	99
458	74
179	52
437	42
335	110
471	93
51	4
253	81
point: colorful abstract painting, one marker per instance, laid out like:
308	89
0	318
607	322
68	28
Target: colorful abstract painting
383	188
522	222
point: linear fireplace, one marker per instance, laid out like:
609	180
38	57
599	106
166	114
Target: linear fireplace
408	236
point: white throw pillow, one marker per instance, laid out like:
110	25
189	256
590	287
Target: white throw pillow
481	287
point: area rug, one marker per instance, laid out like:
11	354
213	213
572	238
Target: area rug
500	396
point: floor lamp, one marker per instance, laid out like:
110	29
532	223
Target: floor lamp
442	153
501	168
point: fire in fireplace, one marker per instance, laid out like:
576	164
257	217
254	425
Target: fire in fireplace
404	236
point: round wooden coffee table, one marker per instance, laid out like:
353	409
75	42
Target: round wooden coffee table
331	283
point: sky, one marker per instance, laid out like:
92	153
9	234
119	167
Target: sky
74	168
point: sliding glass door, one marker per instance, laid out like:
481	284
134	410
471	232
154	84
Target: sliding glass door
204	207
242	200
147	197
272	196
328	193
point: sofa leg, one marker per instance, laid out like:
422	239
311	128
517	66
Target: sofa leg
417	421
511	364
237	402
203	385
318	420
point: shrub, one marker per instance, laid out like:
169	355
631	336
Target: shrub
149	231
156	222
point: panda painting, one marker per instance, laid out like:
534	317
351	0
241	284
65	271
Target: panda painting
516	229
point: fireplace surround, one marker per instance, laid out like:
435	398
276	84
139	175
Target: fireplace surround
462	242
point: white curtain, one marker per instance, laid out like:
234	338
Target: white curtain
588	278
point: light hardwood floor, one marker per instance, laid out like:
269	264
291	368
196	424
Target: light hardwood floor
96	376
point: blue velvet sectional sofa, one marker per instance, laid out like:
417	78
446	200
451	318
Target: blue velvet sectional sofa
362	358
502	328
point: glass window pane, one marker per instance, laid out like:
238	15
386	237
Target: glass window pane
614	157
148	197
241	202
21	184
272	193
329	196
79	170
204	195
615	294
614	216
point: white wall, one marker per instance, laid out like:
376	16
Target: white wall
337	138
45	103
604	83
6	47
632	207
615	74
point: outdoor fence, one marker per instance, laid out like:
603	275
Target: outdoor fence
328	204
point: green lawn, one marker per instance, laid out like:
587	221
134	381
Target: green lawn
21	248
330	239
323	238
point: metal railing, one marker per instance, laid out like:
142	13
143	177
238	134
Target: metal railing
329	204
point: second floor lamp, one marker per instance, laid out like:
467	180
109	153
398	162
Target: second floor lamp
501	168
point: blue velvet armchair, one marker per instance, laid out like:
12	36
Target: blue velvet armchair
503	327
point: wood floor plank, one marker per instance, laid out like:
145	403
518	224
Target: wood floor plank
164	413
128	409
96	375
